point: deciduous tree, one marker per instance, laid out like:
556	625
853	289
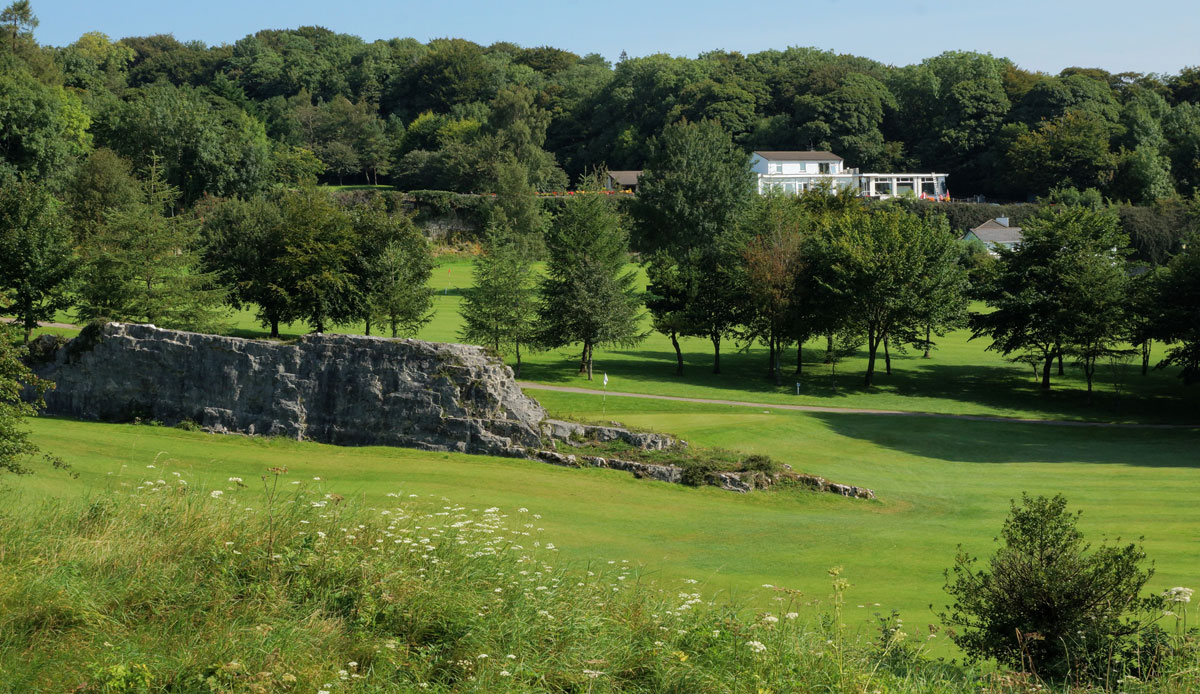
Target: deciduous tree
37	258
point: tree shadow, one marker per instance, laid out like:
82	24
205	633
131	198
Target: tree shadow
1003	389
1017	442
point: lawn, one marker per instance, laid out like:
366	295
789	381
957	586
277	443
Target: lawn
939	482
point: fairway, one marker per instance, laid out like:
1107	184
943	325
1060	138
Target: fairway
939	483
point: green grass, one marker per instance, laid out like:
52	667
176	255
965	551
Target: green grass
170	587
939	482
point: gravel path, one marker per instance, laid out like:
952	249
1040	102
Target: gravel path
854	410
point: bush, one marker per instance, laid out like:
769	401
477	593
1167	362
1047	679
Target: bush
760	463
695	472
1048	603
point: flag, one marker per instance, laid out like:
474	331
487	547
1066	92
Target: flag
605	378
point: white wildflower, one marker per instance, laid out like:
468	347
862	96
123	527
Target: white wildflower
215	493
756	646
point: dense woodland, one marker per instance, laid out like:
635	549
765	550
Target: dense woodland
232	119
156	181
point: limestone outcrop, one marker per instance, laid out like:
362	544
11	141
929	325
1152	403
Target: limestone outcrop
339	389
331	388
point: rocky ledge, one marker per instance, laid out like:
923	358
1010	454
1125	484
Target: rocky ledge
339	389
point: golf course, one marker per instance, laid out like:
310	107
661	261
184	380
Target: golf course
941	481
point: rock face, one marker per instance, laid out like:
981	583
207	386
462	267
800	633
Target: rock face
332	388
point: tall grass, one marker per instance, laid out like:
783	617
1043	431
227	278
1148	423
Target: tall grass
273	585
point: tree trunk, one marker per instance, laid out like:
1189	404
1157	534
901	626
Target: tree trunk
716	342
770	356
368	327
1145	357
588	348
872	346
28	333
1046	371
1060	366
800	358
927	343
887	358
829	348
777	367
678	354
583	358
320	325
517	345
274	327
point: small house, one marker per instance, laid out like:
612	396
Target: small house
995	233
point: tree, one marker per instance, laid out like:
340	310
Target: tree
394	266
37	261
21	394
144	266
696	186
1037	312
880	271
773	260
100	185
18	16
1177	318
1098	288
587	296
500	309
1070	150
41	126
318	263
245	242
1046	601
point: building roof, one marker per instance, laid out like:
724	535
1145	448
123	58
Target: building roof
799	156
994	231
625	178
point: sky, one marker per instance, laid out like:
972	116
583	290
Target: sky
1040	35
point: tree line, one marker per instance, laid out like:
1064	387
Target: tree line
115	248
726	264
451	114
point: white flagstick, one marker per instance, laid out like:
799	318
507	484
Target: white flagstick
604	397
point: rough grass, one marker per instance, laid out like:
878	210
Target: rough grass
164	586
939	483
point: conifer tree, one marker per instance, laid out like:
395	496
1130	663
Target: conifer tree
587	296
499	311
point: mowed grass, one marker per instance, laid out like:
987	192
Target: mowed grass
961	377
940	483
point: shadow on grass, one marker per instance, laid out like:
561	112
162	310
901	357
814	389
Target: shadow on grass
1156	398
1002	442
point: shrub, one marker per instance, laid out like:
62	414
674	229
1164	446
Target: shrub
1047	602
695	472
760	463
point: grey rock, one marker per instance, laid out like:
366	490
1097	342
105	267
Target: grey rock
338	389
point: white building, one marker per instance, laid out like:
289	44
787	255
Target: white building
796	172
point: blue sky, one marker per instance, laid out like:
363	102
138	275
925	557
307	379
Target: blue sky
1045	35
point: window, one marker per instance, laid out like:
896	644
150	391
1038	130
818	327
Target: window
777	167
824	167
